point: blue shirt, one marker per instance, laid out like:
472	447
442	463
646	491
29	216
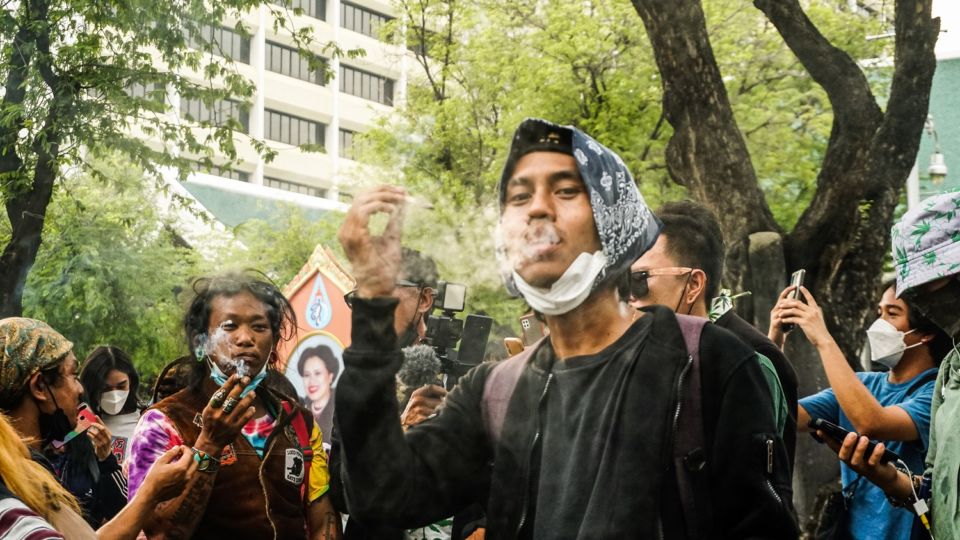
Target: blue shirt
871	515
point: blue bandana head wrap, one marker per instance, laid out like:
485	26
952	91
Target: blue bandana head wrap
625	224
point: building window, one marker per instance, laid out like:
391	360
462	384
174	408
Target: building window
291	129
357	82
346	144
292	186
311	8
361	19
222	42
224	172
288	61
194	110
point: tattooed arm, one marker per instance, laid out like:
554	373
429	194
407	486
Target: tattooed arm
178	518
324	521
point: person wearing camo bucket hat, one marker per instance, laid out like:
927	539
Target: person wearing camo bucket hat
578	427
40	392
926	255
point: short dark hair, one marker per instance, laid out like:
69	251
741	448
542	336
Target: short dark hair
93	377
941	344
325	354
694	239
283	320
418	268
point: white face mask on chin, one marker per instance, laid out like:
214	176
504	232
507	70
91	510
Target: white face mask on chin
569	291
112	402
886	343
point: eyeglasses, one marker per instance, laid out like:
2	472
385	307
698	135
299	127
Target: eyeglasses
348	298
638	280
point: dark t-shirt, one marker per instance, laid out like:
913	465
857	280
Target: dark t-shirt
581	407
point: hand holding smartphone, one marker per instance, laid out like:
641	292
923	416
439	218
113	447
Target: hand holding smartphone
796	281
838	434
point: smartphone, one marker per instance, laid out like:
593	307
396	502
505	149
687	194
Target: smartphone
473	340
837	433
85	418
796	281
531	330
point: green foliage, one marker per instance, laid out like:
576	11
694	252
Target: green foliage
488	65
784	115
280	249
111	270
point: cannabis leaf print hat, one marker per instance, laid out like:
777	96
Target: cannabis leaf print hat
926	241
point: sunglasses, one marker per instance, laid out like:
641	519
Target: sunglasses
638	280
348	298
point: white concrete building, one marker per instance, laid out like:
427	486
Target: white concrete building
294	106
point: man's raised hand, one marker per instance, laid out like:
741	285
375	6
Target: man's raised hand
375	259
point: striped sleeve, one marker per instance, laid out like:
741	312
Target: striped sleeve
17	522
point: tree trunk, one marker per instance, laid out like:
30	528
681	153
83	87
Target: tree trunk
707	153
31	190
843	235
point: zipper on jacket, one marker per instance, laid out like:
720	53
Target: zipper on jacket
769	456
676	412
774	492
533	444
676	426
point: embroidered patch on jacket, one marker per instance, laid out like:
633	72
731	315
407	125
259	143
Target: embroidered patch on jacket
228	456
293	471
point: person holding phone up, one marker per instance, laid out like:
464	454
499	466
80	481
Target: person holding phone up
892	406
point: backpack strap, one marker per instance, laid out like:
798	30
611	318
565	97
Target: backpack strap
303	440
689	452
498	389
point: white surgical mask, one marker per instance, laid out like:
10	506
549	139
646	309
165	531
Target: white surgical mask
568	292
886	343
112	402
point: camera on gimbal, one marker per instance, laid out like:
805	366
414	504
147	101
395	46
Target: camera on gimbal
445	330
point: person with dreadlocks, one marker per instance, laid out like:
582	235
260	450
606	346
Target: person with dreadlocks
262	470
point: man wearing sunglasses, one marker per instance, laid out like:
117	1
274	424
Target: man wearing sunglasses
682	271
414	291
573	438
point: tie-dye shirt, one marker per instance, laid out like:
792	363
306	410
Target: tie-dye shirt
156	433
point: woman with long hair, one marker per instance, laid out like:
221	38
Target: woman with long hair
238	415
33	504
110	384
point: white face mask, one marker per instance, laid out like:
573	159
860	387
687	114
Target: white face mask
112	402
568	292
886	343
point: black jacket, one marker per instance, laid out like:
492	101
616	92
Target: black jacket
447	462
788	377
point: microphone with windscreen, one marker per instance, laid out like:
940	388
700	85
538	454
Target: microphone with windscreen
421	367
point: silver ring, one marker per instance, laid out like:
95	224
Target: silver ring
229	405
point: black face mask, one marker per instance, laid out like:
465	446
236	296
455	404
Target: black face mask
409	336
940	306
54	426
